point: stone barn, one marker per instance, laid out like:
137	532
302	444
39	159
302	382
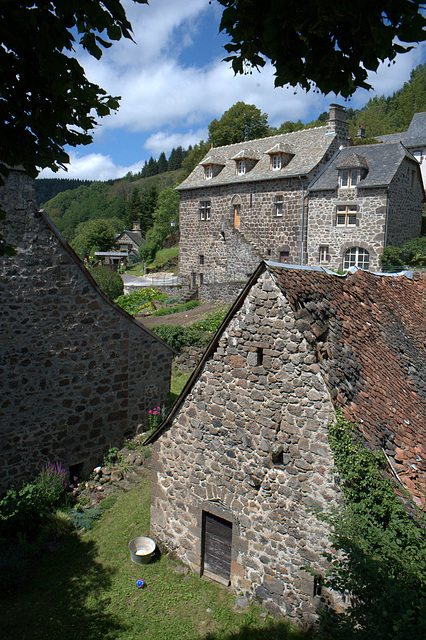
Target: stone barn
78	374
244	452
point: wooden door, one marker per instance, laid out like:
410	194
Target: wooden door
237	216
217	545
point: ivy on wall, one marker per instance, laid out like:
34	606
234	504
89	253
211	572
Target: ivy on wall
381	560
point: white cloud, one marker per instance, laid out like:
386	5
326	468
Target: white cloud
93	166
162	141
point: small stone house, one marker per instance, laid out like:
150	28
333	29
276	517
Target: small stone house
78	374
130	241
305	197
244	451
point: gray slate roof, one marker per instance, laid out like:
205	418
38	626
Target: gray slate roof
415	136
133	235
309	147
382	160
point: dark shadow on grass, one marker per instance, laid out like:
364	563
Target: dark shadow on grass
62	598
277	630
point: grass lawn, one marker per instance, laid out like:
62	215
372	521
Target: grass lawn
162	257
87	590
178	382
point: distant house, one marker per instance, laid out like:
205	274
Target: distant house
244	452
414	139
130	241
305	197
78	374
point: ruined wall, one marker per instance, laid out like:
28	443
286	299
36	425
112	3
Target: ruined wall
249	445
78	374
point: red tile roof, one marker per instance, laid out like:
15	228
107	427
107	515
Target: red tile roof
369	334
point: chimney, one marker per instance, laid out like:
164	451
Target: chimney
361	131
136	226
337	124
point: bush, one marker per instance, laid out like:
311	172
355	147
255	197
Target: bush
109	281
199	335
139	301
167	311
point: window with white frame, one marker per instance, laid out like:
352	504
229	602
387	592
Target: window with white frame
346	215
276	162
349	178
208	172
279	206
204	209
323	253
356	257
241	167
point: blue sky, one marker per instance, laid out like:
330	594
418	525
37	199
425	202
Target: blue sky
174	81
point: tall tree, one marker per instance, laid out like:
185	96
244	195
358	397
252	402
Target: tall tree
133	208
46	101
240	122
149	202
95	235
327	45
163	165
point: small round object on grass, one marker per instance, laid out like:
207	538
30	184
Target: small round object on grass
140	584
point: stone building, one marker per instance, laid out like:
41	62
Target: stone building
130	241
368	197
78	374
244	451
257	199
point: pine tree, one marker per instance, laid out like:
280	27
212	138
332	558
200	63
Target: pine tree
149	202
133	208
163	165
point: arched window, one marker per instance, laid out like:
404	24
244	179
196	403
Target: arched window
356	257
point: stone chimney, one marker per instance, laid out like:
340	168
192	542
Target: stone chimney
136	226
361	131
337	124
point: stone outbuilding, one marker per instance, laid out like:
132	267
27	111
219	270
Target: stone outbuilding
244	452
78	374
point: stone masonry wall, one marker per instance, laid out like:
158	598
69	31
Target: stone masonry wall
223	292
249	444
78	374
405	216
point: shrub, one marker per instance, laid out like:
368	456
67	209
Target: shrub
109	281
138	301
166	311
198	335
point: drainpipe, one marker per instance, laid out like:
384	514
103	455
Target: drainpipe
302	243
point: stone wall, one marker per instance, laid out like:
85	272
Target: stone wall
249	445
78	374
223	292
405	215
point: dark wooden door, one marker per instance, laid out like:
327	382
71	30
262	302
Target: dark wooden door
217	547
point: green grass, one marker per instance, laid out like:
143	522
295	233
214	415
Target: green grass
178	382
87	590
163	256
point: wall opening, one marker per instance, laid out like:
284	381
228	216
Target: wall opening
259	356
216	548
76	471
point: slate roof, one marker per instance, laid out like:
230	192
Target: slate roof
309	147
133	235
368	332
382	161
415	136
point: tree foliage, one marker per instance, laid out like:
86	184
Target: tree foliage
96	235
240	122
328	45
46	101
382	551
109	281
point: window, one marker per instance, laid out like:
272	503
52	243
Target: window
201	259
241	167
208	172
356	257
205	210
285	257
323	253
346	215
276	162
279	206
349	178
201	278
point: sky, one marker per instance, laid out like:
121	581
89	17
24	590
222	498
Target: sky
173	82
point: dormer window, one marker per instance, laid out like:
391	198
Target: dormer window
241	167
349	178
276	162
208	172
